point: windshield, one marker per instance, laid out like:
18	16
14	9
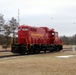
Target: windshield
23	29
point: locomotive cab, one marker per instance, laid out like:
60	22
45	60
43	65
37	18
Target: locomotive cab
20	47
56	43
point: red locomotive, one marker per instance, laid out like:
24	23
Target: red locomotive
32	40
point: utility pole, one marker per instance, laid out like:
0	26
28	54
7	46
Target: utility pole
18	17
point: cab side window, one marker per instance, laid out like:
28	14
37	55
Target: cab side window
53	34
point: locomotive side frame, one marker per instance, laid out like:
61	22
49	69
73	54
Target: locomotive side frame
32	40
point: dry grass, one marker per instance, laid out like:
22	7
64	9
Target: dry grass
67	46
4	51
39	64
4	48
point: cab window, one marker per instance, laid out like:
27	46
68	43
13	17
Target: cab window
25	29
53	34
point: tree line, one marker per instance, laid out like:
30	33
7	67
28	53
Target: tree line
69	40
7	30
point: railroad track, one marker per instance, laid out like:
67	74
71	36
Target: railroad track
6	56
9	56
16	55
5	51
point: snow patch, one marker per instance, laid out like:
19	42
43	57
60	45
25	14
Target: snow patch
66	56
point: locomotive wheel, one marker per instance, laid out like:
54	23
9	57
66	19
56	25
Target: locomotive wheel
22	53
28	52
44	51
57	50
36	51
52	50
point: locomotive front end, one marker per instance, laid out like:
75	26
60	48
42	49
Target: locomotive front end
21	46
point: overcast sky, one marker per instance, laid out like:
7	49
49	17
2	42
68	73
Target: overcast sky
57	14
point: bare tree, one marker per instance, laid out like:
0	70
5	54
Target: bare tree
10	29
69	40
1	22
13	26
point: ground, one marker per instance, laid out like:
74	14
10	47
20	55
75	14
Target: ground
39	64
